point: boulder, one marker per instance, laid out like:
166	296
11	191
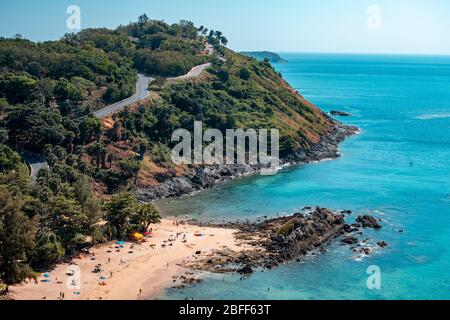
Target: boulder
340	113
246	270
349	240
368	222
382	244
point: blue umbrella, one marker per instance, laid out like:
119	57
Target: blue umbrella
47	275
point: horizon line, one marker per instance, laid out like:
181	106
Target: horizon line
351	53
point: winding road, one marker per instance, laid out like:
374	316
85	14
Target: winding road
142	92
36	163
193	73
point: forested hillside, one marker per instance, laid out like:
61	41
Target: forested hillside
48	92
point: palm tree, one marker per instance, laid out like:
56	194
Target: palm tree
223	41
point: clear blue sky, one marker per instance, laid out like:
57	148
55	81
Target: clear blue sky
407	26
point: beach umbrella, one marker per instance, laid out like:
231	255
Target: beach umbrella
47	275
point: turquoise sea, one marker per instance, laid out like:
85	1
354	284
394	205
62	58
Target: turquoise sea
397	169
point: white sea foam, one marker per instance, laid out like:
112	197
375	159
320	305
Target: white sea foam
433	116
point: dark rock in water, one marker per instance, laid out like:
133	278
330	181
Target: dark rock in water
368	222
340	113
246	270
350	240
382	244
348	228
365	251
401	231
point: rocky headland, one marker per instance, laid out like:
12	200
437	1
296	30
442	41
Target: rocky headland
281	240
206	177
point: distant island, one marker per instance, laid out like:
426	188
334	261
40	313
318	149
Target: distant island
262	55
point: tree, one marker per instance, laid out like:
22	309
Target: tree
90	128
143	19
17	88
9	159
16	239
223	41
82	190
145	215
68	221
119	211
130	168
49	250
3	135
244	73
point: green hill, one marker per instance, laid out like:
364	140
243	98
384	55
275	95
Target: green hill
263	55
48	92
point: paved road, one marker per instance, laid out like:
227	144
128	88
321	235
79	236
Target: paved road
194	73
142	92
35	162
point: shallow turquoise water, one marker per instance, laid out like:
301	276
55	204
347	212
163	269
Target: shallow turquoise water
398	169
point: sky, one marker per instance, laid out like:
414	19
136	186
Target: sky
334	26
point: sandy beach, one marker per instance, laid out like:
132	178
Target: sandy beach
130	271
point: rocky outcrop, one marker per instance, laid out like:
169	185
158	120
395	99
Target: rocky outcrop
280	240
206	177
369	222
340	113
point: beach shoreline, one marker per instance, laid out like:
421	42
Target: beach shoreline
136	271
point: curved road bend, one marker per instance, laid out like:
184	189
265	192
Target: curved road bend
142	92
36	163
194	73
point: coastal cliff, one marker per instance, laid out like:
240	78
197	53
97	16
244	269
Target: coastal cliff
206	177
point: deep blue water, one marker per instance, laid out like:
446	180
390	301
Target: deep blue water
397	169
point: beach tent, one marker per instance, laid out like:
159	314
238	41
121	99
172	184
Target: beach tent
137	236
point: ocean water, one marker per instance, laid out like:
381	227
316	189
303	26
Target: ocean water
397	169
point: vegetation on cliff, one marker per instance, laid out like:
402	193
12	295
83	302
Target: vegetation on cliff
48	92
